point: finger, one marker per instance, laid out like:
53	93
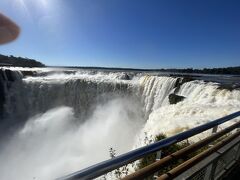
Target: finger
9	31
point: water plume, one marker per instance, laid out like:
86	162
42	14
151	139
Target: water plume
53	144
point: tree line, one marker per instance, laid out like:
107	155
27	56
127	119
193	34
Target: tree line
26	62
227	70
19	62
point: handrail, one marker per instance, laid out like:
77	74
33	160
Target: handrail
163	162
119	161
191	162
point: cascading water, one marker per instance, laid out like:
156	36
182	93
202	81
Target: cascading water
203	102
155	91
80	91
69	120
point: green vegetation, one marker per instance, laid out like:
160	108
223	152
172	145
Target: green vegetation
151	158
119	172
227	70
19	62
26	62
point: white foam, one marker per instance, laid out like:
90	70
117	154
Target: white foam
54	143
204	102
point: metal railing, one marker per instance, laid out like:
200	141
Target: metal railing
226	149
124	159
167	160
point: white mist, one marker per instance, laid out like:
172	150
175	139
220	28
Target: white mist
53	144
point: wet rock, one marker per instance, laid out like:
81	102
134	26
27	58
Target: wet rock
2	100
125	76
186	79
2	92
229	87
174	99
9	75
29	73
2	76
181	81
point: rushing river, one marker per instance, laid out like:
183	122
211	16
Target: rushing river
54	122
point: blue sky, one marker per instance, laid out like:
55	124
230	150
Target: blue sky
127	33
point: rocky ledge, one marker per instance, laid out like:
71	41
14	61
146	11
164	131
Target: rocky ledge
174	99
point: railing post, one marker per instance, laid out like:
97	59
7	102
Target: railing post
214	129
158	157
213	168
238	153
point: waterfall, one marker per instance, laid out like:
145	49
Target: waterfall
82	92
68	119
7	79
204	101
155	91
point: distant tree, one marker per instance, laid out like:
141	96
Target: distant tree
19	61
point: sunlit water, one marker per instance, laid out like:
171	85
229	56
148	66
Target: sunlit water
70	121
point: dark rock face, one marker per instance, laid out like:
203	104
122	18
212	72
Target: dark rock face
174	99
3	81
7	77
29	73
125	76
187	79
229	87
2	94
181	81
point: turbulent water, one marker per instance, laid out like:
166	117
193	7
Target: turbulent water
55	122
